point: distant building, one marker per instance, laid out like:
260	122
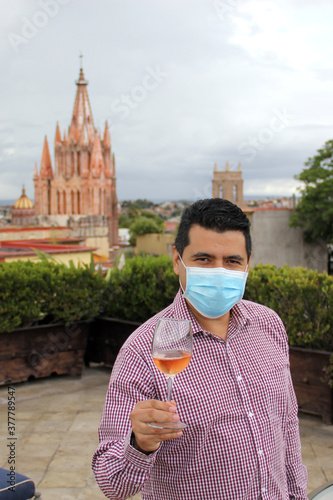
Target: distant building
228	184
21	243
23	213
124	236
80	190
155	244
172	224
274	241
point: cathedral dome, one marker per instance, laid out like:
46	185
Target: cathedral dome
23	202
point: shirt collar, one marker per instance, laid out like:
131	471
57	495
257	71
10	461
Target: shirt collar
182	311
240	315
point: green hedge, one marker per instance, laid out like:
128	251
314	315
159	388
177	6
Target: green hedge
45	292
303	299
48	292
143	287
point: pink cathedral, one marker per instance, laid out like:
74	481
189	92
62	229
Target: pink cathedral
83	181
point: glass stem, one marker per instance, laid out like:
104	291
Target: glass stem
170	383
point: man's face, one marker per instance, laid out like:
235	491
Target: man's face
208	248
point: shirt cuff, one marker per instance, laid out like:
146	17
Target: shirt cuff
136	457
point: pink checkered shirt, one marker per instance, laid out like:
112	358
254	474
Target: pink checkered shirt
242	438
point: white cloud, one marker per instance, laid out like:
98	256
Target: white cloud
226	76
273	187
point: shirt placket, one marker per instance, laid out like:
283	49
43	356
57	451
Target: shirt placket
252	417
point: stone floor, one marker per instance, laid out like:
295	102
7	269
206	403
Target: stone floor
56	431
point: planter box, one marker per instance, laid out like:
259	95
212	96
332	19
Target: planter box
313	395
106	336
41	351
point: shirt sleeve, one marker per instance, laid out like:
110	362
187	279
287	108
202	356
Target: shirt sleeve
119	468
295	470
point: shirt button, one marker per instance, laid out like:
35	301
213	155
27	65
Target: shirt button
239	378
251	414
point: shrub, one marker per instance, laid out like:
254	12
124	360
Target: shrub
143	287
303	299
47	292
144	225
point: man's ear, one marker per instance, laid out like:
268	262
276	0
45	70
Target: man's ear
175	259
248	263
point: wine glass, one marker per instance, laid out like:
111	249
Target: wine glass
172	351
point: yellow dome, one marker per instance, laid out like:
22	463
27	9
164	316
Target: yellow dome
23	201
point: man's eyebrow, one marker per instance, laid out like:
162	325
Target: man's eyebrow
235	257
203	254
211	256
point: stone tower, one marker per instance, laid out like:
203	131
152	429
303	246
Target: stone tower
83	182
228	184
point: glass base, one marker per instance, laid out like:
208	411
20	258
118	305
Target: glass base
167	425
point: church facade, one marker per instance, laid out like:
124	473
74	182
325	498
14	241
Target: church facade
80	190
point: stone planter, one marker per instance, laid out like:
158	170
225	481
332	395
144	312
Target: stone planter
106	336
41	351
313	395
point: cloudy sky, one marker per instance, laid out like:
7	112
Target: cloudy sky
182	83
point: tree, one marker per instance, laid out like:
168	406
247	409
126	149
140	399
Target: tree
145	225
314	212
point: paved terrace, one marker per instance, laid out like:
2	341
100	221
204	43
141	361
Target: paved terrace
56	430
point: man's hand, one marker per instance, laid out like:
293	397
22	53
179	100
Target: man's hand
149	438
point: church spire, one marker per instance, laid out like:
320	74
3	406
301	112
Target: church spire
57	139
46	165
82	116
97	162
36	171
106	137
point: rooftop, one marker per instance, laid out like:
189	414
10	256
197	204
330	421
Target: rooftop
65	412
15	248
31	228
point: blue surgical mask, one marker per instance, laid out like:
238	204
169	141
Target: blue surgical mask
213	291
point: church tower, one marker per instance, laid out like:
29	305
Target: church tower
83	181
228	184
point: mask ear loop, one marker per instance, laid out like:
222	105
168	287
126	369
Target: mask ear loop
181	260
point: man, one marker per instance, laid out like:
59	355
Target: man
236	396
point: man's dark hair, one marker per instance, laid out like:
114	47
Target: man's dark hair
213	213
